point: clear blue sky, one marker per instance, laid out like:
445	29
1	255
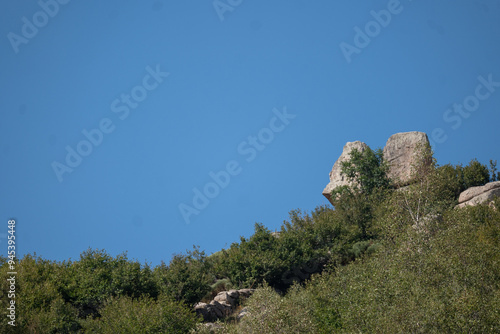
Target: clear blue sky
266	91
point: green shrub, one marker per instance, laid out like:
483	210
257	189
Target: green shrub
355	209
301	248
368	169
98	276
144	315
57	317
449	182
475	174
40	306
272	313
355	204
187	277
252	260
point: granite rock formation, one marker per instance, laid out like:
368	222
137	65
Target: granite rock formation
222	305
336	177
479	195
401	151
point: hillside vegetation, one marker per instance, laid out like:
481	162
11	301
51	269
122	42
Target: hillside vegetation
383	260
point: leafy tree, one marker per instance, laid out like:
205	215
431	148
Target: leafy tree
252	260
356	209
98	276
449	181
278	259
475	174
40	306
356	203
187	277
367	169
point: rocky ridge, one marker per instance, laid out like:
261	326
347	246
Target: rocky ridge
401	152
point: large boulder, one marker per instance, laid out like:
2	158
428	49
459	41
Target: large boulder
336	177
479	195
227	297
221	310
402	153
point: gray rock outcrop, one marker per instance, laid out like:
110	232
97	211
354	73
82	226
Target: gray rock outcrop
402	153
336	178
222	305
479	195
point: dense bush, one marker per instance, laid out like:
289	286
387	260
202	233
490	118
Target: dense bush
54	297
455	179
475	174
303	246
368	169
273	313
142	315
40	305
98	276
264	257
355	204
187	278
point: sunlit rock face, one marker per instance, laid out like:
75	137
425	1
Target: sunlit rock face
402	151
479	195
336	178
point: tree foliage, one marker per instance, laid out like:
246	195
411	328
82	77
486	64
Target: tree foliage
142	315
71	296
355	204
367	170
187	278
475	174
